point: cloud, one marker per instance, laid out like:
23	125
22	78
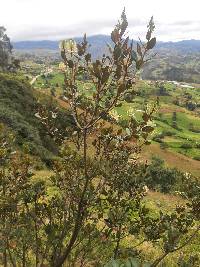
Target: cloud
173	31
91	27
58	19
185	23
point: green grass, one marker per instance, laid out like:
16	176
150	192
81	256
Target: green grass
185	118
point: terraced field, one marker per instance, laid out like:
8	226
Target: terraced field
177	133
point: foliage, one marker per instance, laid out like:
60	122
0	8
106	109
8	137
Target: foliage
7	61
160	178
92	202
131	262
18	110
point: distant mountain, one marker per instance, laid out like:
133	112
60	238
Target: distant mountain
32	45
99	42
181	46
174	61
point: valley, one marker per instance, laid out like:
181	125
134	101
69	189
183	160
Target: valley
177	126
100	154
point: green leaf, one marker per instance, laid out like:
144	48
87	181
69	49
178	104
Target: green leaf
118	71
148	35
105	74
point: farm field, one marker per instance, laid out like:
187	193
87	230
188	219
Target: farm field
177	135
99	135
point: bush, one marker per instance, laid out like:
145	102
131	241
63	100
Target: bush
195	130
197	145
129	97
160	178
186	146
168	133
196	158
18	106
160	135
164	145
157	139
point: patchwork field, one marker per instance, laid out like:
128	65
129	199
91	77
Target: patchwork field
177	120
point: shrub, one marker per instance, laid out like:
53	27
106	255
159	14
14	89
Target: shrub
160	178
157	139
197	145
168	133
18	106
164	145
196	158
186	146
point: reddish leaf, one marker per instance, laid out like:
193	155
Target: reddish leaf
151	43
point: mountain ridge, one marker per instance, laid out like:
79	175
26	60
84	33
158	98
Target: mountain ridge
192	44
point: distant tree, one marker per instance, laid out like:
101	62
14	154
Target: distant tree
53	91
187	95
174	74
190	105
160	115
7	61
174	117
162	91
163	145
5	49
176	101
174	120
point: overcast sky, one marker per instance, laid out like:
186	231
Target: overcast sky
59	19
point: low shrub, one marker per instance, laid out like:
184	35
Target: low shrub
170	180
186	146
196	158
164	145
18	106
197	145
160	178
168	133
157	139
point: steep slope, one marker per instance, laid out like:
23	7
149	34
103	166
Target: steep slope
18	106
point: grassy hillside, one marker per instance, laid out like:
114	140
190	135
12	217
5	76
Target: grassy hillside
19	104
177	127
174	61
18	107
177	119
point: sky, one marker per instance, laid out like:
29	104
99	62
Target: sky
61	19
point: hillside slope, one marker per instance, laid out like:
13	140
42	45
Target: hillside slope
176	136
18	106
